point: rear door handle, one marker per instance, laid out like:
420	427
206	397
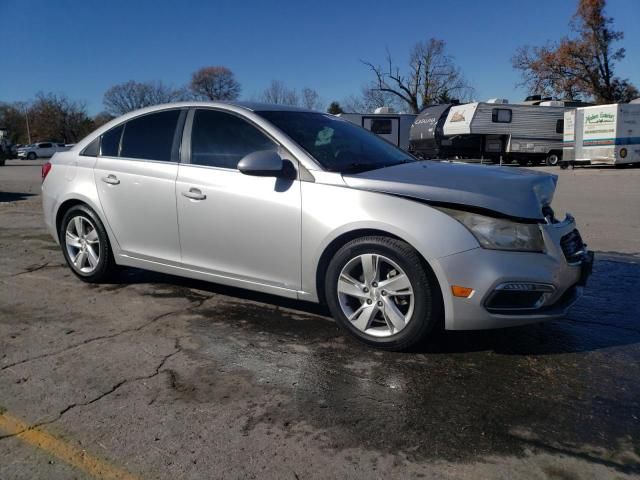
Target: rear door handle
111	180
194	194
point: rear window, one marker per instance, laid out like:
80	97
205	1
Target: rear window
150	137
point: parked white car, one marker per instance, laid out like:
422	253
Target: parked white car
41	150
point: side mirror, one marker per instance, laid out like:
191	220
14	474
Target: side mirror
263	163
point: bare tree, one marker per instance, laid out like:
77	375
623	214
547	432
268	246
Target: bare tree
13	117
432	77
214	83
132	95
370	98
279	94
581	67
56	117
311	99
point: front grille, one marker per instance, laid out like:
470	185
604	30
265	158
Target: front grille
572	246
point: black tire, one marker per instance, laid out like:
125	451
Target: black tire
106	265
564	165
31	156
427	309
553	159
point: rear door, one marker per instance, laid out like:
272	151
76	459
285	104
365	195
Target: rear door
135	174
385	127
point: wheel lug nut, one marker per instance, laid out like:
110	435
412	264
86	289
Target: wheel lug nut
365	290
369	301
379	303
383	293
374	284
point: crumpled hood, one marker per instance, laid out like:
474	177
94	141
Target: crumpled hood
515	192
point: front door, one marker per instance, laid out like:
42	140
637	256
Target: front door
243	229
136	175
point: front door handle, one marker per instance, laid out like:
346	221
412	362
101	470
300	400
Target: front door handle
111	180
194	194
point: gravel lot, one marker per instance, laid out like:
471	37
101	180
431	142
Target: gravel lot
159	377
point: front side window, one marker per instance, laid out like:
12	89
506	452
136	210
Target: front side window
501	115
338	145
110	145
560	126
220	139
151	136
45	145
381	126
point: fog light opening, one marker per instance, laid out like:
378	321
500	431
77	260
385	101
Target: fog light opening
519	296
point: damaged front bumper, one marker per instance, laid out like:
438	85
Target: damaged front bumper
516	288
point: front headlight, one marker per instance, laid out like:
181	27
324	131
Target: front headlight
498	233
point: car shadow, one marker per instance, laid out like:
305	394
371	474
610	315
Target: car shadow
606	316
6	197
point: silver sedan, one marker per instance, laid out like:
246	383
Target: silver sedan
309	206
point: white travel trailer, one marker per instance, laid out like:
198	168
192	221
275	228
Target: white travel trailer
384	122
525	133
607	134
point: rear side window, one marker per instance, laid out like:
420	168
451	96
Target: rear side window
92	149
220	139
150	137
381	126
560	126
110	145
501	115
45	145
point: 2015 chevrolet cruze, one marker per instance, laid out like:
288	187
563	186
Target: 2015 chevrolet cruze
306	205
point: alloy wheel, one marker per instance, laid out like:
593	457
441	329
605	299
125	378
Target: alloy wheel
375	295
83	244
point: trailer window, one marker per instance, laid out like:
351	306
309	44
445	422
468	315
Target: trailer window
560	126
381	126
501	115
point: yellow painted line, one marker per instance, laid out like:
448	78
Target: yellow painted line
74	456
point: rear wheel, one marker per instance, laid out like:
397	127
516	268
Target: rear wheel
379	291
553	159
85	245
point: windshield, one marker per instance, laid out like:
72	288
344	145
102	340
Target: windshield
338	145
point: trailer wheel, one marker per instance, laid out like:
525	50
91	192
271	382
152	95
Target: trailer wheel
553	159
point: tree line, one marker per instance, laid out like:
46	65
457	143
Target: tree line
580	66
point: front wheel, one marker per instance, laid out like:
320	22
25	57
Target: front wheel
379	291
85	245
31	156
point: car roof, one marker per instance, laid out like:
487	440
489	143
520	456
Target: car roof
251	106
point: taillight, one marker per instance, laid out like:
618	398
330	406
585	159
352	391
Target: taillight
46	168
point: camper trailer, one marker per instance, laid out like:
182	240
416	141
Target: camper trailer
525	133
384	122
605	134
427	140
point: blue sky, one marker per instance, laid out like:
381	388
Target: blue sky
81	48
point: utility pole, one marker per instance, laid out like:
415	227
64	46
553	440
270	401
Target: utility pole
26	117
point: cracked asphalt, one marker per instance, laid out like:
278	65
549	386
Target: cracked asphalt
154	376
